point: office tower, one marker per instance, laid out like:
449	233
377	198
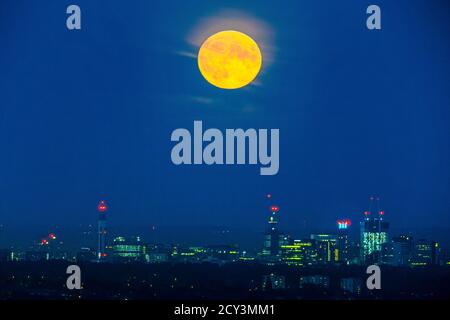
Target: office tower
374	233
425	253
401	250
327	247
299	253
273	238
101	252
128	249
343	243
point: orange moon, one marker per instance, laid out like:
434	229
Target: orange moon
229	59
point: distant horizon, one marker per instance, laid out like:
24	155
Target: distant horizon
197	235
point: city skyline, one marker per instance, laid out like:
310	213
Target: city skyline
375	243
323	265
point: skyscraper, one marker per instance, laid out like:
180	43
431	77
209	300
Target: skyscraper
343	244
374	233
327	247
273	238
102	208
299	252
401	250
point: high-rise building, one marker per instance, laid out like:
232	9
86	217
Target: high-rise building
374	233
327	247
273	238
299	253
343	242
401	250
101	252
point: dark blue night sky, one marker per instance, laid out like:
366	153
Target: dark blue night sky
86	115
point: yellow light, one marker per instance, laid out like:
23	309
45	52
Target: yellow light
229	59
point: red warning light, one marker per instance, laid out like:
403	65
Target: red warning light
44	242
52	236
274	209
381	213
366	213
102	206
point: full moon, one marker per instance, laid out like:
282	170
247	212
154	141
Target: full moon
229	59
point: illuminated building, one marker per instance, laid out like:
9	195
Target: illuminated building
401	250
273	238
354	253
327	247
299	253
223	252
315	280
387	253
214	254
273	282
131	249
101	245
189	254
374	233
342	241
425	253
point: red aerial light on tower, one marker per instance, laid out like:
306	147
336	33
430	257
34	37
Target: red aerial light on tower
102	208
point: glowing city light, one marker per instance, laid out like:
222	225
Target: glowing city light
102	206
344	224
274	208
